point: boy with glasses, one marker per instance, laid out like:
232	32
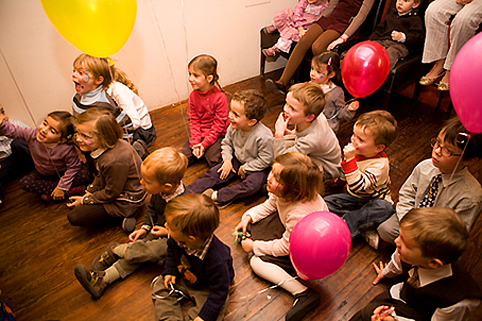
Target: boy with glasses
443	180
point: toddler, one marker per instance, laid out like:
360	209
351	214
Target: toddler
116	191
292	25
247	151
294	184
208	112
162	172
325	71
198	266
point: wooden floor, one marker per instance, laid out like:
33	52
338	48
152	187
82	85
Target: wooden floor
39	248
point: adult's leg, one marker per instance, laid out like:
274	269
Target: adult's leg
389	230
88	215
299	52
322	42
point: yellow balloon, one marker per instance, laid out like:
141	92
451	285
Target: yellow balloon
99	28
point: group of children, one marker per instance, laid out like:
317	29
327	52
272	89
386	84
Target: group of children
292	165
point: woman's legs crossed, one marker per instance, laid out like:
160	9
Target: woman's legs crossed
320	44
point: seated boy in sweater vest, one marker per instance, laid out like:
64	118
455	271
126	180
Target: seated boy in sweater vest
435	287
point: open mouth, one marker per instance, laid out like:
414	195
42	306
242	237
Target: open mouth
77	86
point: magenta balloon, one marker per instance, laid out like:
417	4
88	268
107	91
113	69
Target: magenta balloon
365	68
465	82
319	245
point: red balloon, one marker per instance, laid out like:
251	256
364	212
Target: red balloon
365	68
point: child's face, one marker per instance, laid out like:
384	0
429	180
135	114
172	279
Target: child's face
182	239
86	137
197	79
319	74
49	131
150	182
294	110
274	185
83	79
237	118
445	155
364	142
404	6
409	250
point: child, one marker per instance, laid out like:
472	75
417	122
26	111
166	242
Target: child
294	184
198	264
400	31
460	192
325	71
292	25
312	135
247	151
58	169
126	95
116	191
162	172
435	287
208	112
366	170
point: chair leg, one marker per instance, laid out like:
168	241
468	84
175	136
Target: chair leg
416	95
262	64
439	101
386	100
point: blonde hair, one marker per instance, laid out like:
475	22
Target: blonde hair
311	96
121	76
107	130
381	124
99	67
193	215
208	65
168	165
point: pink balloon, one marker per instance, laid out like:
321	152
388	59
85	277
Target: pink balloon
319	245
365	68
465	81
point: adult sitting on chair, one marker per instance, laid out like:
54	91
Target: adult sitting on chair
468	16
325	34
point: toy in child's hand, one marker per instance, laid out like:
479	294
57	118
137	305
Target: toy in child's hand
240	236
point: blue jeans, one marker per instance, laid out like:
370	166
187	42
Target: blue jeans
358	213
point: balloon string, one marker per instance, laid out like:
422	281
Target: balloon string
251	296
345	106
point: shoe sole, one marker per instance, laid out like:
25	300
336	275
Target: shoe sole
270	84
126	225
82	274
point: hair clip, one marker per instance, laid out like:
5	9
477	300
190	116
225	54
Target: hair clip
463	138
110	61
329	61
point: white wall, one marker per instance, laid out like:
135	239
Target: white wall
36	62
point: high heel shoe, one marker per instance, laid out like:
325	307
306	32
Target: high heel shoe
426	81
443	86
275	86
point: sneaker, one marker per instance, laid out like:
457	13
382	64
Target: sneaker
304	302
275	86
93	282
129	224
269	29
46	198
141	148
209	193
78	190
372	238
105	259
271	52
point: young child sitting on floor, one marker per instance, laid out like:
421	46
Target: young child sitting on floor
435	286
312	135
198	266
247	151
294	185
446	174
161	172
366	170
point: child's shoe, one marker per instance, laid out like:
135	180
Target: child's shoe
93	282
77	190
105	259
269	29
141	148
46	198
129	224
271	52
209	193
372	238
303	303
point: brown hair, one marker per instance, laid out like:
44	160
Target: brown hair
121	76
452	134
65	119
97	66
107	130
300	177
439	232
193	215
311	96
381	124
208	65
332	62
255	104
168	165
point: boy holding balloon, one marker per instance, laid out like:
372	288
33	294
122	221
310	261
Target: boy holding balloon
366	170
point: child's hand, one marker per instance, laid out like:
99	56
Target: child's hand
379	316
301	31
198	318
168	279
198	150
225	169
463	2
397	36
247	245
379	270
281	125
159	231
58	194
353	106
3	115
349	151
241	172
74	201
137	234
243	224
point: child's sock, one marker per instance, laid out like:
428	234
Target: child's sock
214	196
119	250
111	275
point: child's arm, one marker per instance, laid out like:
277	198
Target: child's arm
413	36
408	193
366	180
74	165
195	132
388	270
124	97
227	152
17	132
264	158
380	29
299	14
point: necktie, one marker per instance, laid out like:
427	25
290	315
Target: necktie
413	280
429	198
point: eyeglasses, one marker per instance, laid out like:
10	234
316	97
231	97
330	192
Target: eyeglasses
435	143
